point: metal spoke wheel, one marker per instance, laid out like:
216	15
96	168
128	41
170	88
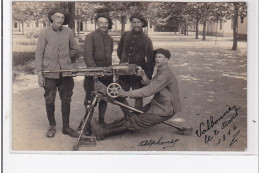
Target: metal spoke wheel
112	90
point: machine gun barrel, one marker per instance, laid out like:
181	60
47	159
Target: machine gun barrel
90	69
119	69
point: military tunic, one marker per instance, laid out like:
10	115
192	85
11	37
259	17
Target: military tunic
165	103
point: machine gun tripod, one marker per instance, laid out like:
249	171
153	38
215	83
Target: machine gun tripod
109	94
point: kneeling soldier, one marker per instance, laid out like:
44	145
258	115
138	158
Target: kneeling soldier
165	103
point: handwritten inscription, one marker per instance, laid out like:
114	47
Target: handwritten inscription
209	130
160	142
229	134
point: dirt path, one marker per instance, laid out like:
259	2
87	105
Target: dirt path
210	77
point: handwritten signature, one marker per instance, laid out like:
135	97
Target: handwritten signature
211	123
160	141
224	120
225	136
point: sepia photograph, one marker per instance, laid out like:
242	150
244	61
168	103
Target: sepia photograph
129	76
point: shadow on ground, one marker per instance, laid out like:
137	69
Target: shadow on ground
210	77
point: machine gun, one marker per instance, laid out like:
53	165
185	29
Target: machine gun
109	93
103	93
114	70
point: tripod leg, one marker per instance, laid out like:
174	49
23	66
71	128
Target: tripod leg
76	146
82	121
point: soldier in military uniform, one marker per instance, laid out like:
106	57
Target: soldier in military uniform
135	47
165	103
56	50
98	50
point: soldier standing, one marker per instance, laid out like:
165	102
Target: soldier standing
98	50
135	47
56	49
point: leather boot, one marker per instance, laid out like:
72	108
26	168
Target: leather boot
87	129
51	132
50	109
101	133
65	110
69	131
102	111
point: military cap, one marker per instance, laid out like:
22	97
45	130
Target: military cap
141	17
110	23
165	52
59	10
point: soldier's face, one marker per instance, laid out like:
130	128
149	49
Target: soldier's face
102	23
160	59
58	19
137	24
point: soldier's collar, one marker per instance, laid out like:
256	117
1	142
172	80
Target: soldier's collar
102	32
162	67
56	29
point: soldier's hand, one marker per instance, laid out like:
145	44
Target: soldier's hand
140	71
41	80
122	93
74	68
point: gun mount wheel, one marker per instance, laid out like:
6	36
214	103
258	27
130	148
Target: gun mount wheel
112	90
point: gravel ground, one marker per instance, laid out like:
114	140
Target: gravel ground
212	78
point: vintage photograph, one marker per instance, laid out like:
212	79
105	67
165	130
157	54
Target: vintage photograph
129	76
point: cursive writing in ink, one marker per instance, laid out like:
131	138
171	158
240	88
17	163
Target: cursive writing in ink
152	142
227	122
234	138
211	122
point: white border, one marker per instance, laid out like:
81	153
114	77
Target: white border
144	161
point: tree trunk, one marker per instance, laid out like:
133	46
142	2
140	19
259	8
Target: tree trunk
78	27
19	27
71	9
235	27
148	26
216	33
187	28
123	21
197	29
22	27
204	30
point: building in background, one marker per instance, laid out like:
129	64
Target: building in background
90	25
25	27
20	28
223	29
